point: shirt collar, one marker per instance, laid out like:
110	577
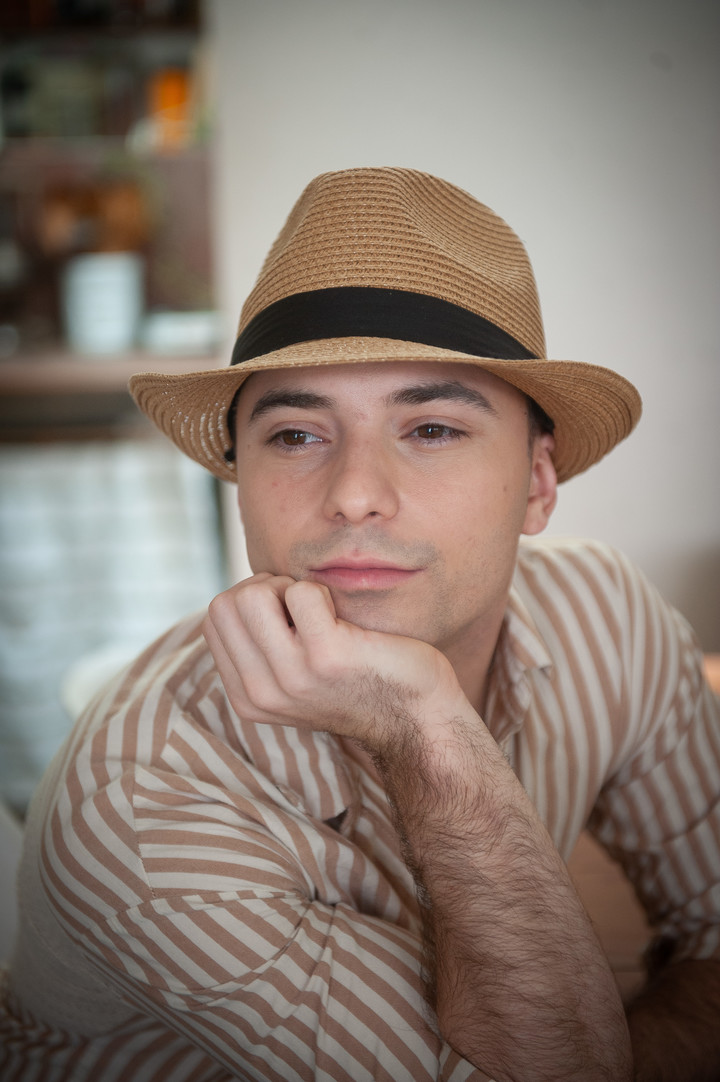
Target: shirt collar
520	652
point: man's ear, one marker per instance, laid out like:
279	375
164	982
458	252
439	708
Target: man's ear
542	494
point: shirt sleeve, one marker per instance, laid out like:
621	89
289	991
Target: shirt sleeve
659	813
312	991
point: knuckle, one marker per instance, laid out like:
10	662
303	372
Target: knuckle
241	601
248	593
325	668
262	696
217	610
300	684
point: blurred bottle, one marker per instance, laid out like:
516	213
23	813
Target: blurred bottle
169	107
98	231
102	301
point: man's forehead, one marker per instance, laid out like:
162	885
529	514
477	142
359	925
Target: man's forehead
390	383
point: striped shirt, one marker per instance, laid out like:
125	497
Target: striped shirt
204	899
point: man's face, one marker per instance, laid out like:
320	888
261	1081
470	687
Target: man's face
402	487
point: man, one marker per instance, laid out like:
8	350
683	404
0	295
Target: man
320	834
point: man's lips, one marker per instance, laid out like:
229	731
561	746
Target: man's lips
361	574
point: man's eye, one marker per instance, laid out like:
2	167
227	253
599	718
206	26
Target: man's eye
295	437
431	431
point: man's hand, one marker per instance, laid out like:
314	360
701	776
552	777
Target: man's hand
285	658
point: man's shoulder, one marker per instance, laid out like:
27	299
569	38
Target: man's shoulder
581	556
154	686
182	643
591	589
581	582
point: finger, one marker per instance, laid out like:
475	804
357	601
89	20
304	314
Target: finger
261	608
229	673
312	610
224	609
246	602
236	651
240	623
251	622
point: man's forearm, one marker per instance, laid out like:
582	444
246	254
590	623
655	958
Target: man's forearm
675	1024
519	983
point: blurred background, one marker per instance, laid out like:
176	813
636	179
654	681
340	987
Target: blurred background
149	153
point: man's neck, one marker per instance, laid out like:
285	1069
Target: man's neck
472	658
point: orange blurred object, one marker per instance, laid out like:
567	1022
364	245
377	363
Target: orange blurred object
107	216
168	106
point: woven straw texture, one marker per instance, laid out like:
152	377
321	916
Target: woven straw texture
400	229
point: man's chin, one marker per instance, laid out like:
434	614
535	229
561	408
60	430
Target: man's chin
373	612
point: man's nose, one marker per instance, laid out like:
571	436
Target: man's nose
362	483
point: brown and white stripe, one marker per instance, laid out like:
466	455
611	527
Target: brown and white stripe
205	900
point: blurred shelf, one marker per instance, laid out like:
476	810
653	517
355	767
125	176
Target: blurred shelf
64	372
57	395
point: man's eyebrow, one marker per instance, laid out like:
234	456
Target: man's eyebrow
289	399
450	390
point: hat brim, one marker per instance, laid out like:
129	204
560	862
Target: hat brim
593	408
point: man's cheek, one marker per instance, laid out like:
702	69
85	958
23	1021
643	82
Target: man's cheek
260	555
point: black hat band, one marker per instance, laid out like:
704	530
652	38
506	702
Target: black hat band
371	312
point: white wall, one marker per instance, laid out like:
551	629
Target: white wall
592	127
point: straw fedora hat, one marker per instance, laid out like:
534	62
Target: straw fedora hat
388	264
